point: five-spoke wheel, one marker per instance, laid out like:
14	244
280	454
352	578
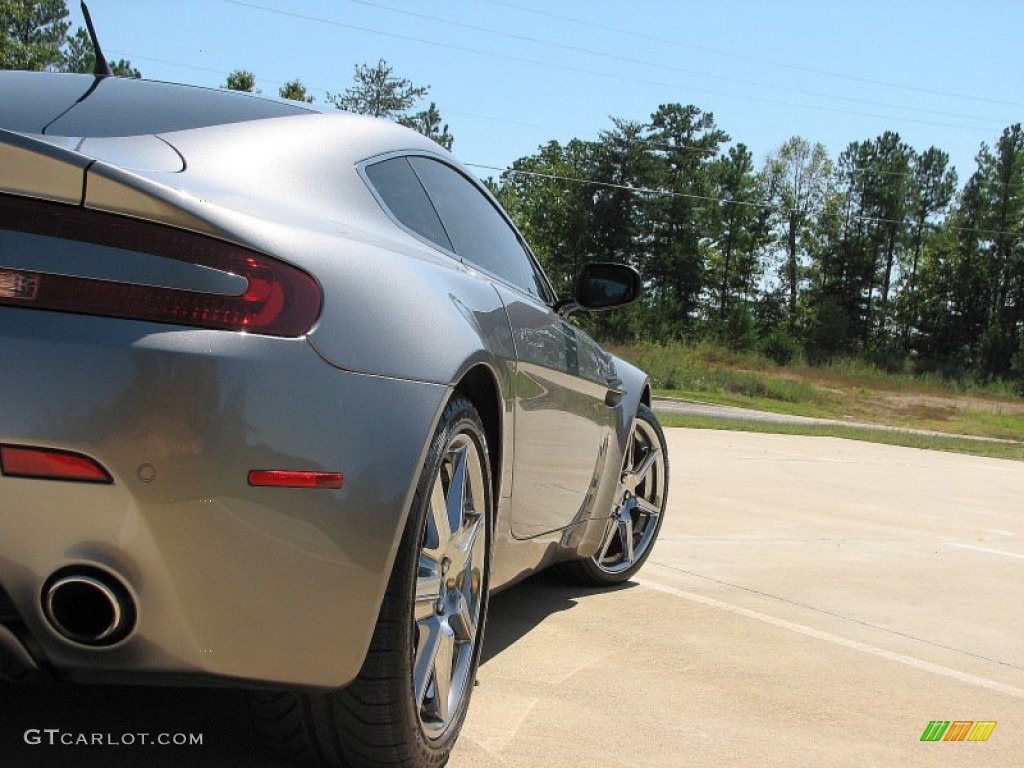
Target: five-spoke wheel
637	511
449	584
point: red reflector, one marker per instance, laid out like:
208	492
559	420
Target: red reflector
285	478
47	464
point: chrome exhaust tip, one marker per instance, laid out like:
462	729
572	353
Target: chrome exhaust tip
88	606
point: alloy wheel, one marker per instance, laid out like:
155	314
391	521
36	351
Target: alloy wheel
449	584
640	499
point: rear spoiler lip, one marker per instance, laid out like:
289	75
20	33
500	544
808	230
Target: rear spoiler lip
116	190
34	168
43	170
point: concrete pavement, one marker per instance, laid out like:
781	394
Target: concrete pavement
811	602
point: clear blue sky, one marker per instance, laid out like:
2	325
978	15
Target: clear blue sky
510	75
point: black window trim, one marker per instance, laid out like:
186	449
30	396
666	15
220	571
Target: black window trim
361	169
549	300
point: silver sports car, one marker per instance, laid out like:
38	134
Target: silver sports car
284	396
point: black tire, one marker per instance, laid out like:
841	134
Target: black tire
392	713
636	514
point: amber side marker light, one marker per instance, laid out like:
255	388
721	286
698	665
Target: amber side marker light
49	464
286	478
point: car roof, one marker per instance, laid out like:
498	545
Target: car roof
153	149
87	106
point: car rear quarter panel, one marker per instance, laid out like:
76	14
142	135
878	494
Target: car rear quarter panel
260	584
393	305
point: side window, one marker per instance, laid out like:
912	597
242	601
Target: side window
479	233
401	191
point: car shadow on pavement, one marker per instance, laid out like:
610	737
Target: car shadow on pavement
30	713
35	719
516	611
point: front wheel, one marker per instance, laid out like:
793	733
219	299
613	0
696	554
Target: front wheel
409	701
637	512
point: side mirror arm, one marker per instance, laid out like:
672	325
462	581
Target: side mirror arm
565	307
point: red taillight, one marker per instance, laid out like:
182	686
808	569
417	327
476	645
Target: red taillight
48	464
279	300
284	478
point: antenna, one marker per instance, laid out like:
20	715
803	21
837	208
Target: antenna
102	69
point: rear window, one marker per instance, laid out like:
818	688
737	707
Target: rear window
79	105
402	193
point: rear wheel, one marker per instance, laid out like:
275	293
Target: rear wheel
410	699
637	512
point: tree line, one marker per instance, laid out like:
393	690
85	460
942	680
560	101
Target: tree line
877	253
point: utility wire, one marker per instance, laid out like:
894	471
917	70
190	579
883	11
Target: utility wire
133	56
731	54
669	67
638	190
655	143
315	88
649	142
613	185
582	70
211	70
630	188
707	198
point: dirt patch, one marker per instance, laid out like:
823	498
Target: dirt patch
926	405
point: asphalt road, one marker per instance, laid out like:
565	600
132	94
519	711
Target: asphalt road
694	408
670	405
811	602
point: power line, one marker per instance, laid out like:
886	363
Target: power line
133	56
493	119
630	188
670	67
659	145
318	89
211	70
730	54
582	70
613	185
712	199
672	147
639	190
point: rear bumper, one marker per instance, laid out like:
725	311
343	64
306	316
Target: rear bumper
231	582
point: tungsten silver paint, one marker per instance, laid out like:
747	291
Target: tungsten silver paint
282	387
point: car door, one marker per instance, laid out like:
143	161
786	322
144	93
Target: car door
562	407
563	421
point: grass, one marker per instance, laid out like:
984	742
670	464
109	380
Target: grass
949	444
846	390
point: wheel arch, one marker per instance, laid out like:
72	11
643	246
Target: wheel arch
479	385
637	386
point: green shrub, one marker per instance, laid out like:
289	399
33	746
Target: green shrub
780	347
